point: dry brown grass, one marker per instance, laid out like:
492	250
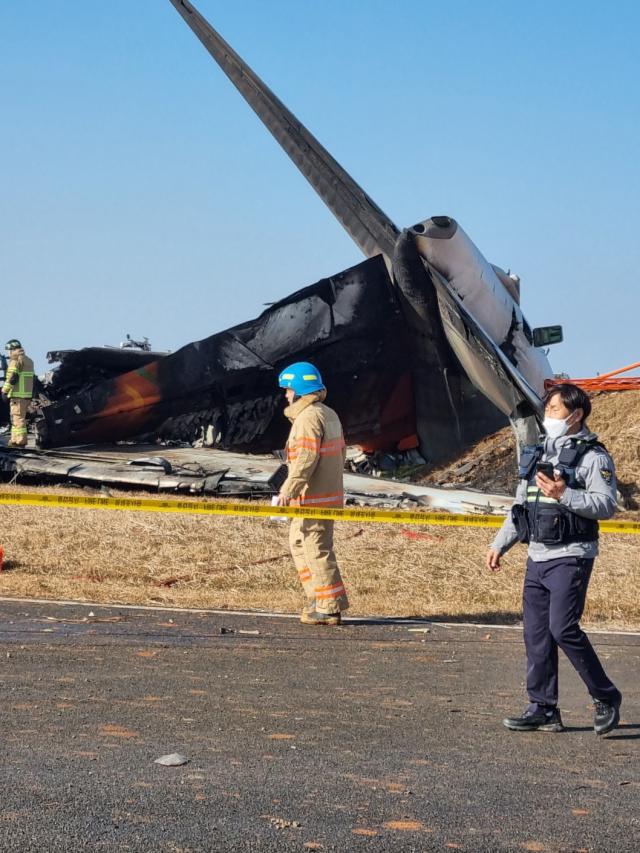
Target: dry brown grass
122	557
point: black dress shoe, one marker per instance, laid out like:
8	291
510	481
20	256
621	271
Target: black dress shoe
606	716
532	721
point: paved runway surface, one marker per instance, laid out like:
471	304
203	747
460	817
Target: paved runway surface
366	737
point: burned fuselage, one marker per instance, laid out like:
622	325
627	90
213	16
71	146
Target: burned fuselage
355	325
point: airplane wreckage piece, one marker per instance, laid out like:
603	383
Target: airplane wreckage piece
200	472
83	368
352	325
223	474
405	340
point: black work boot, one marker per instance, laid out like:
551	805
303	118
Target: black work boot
312	617
606	716
536	719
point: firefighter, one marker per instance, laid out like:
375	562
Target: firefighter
18	390
315	455
567	483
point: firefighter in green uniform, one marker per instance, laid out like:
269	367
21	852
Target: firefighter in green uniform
18	390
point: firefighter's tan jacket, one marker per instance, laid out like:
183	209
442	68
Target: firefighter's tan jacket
315	453
18	383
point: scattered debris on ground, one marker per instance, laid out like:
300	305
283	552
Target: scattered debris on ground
281	823
174	759
219	473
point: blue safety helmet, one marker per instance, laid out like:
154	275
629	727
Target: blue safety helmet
302	377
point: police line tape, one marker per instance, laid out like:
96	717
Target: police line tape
252	510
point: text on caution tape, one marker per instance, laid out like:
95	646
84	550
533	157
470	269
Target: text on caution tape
253	510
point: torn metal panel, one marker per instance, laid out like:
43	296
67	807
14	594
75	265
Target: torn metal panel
229	380
80	369
376	491
142	467
220	473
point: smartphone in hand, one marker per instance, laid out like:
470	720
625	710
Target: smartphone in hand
545	468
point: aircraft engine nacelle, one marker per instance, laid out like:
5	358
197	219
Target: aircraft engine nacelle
446	247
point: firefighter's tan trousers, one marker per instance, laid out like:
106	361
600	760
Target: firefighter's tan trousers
311	543
18	412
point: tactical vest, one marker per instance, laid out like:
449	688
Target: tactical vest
543	519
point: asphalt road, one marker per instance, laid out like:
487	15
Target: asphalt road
366	737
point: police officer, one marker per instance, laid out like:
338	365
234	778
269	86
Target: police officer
18	390
315	454
567	483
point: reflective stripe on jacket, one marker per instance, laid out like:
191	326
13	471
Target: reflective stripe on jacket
596	499
18	382
315	453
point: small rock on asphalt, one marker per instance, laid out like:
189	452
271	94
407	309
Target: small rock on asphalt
174	759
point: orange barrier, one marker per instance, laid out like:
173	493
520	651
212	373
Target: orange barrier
611	381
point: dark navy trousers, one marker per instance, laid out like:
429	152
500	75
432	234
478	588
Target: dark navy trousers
553	601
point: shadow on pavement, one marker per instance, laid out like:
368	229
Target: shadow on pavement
489	617
626	727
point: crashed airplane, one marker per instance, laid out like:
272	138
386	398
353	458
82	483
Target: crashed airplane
423	344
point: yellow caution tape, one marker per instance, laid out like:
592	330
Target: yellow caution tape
253	510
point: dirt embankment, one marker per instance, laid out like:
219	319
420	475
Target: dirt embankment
490	464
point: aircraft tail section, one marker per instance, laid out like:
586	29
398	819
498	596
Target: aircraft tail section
368	226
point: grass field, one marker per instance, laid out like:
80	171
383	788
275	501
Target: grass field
221	562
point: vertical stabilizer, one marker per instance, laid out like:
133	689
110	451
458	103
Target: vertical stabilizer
367	225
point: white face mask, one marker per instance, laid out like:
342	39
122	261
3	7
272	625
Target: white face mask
556	427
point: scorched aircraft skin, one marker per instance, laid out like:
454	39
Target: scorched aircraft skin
405	340
352	324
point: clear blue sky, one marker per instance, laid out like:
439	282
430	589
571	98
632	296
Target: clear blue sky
140	194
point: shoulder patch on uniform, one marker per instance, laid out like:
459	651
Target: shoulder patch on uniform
606	474
605	468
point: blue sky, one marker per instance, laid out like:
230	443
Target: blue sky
140	194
